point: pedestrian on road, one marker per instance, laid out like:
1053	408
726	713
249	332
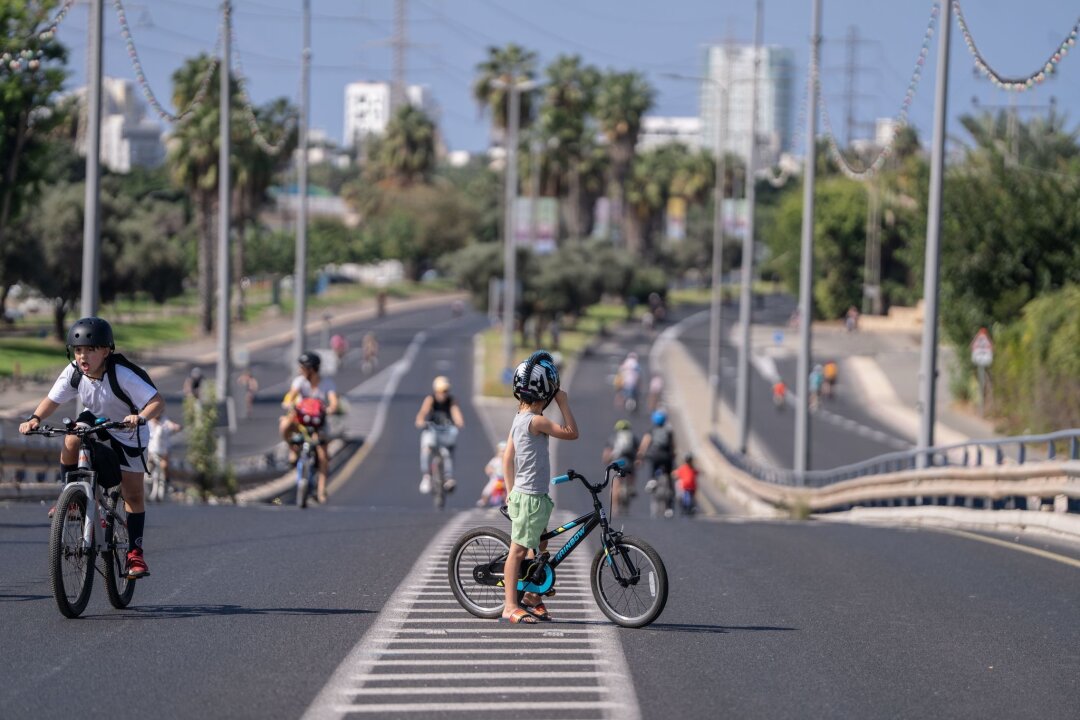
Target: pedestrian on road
248	387
528	471
110	386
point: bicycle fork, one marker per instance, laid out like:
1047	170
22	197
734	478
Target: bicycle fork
612	551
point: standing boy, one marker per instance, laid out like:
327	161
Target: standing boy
95	377
527	469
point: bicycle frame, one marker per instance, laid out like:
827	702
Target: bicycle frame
585	524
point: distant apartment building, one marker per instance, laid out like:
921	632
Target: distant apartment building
128	138
657	131
734	64
367	109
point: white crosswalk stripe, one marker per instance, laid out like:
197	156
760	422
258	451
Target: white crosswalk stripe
425	655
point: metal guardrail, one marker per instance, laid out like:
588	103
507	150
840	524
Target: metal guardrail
973	453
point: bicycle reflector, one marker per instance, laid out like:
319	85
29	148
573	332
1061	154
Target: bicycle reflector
310	412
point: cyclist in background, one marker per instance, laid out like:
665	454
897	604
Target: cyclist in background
817	379
626	380
308	384
829	374
439	420
622	445
658	447
161	431
494	492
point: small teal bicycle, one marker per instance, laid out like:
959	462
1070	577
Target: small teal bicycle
628	579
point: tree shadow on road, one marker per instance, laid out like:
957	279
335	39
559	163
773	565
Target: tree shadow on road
173	612
22	598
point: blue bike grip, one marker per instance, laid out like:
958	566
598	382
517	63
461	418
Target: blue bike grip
621	462
560	479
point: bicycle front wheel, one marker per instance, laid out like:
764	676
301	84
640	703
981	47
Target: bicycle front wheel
438	492
118	586
475	569
71	566
301	484
630	585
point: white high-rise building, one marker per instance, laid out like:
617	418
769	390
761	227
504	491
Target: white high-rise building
367	108
128	138
775	126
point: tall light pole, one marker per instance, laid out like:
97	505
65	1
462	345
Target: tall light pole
746	291
928	361
224	219
806	255
300	273
91	214
716	294
514	87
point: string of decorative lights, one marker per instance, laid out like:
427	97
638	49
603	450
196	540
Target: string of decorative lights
29	58
247	106
779	180
203	87
1017	84
885	152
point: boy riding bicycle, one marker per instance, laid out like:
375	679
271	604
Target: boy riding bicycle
527	470
107	386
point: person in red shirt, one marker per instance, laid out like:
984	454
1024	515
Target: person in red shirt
686	477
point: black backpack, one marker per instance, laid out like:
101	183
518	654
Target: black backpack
661	447
113	360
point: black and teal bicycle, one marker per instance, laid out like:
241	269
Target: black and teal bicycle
628	578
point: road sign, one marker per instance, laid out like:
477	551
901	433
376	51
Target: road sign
982	349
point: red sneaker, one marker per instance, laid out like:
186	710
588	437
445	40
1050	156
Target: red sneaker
136	565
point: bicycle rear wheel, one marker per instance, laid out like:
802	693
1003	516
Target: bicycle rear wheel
71	566
301	483
438	492
118	586
475	567
640	597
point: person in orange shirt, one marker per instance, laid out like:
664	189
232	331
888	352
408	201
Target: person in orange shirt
686	477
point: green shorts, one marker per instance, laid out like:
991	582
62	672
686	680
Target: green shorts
529	515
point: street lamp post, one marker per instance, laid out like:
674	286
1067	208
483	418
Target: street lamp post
514	87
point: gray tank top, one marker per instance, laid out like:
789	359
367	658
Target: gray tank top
532	467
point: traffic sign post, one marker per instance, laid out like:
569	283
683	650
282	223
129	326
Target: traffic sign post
982	356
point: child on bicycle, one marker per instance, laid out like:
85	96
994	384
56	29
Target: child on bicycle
161	431
527	469
494	492
308	384
110	389
686	476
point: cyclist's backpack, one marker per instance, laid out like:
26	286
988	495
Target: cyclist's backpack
623	444
113	360
661	443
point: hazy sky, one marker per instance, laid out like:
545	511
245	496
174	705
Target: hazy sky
450	37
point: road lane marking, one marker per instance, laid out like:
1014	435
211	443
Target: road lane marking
398	371
1045	554
399	642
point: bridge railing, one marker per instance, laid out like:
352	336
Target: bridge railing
1063	444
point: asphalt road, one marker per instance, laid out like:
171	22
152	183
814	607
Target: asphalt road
250	610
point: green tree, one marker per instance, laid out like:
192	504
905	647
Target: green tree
500	66
569	94
28	113
621	102
405	154
193	158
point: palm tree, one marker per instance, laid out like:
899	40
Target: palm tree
193	159
658	175
503	64
405	155
621	102
569	94
254	171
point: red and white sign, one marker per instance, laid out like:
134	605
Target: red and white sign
982	349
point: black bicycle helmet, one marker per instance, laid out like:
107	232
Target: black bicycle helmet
536	379
90	332
310	360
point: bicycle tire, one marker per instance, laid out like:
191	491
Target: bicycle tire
301	483
479	546
438	492
638	604
71	567
312	477
118	586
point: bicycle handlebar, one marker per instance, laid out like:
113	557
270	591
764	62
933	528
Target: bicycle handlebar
79	429
620	467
